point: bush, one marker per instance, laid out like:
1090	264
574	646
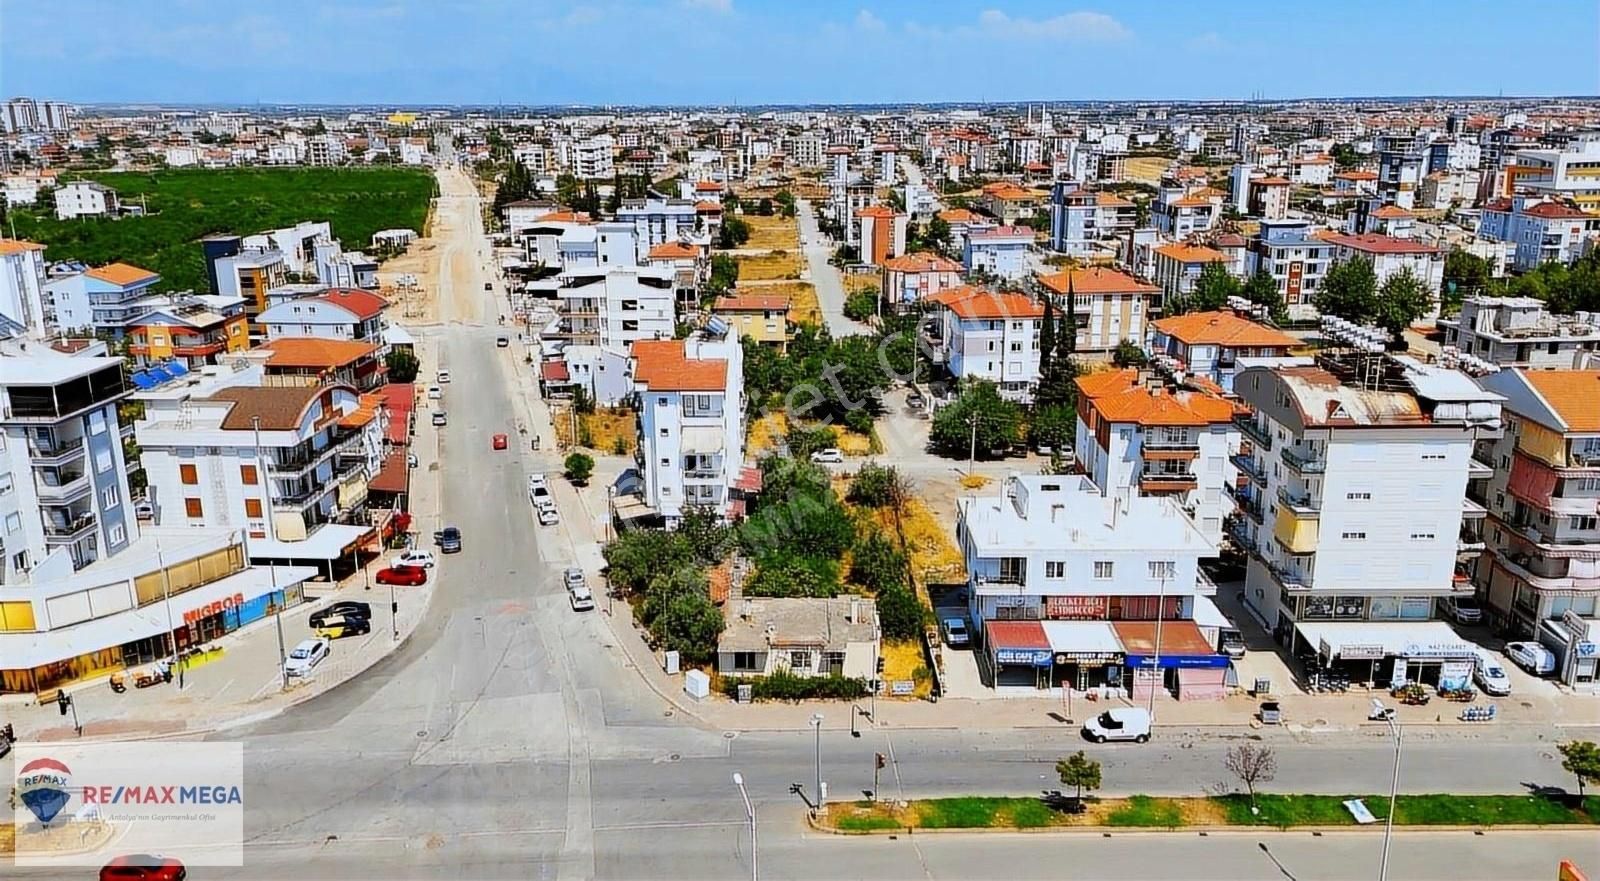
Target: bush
858	421
785	686
782	574
877	486
876	564
861	305
804	441
901	613
578	468
619	447
403	365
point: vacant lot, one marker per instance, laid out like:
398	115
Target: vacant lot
771	266
803	305
775	233
1147	169
185	204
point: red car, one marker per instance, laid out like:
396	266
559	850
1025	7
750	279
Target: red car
143	867
499	441
404	576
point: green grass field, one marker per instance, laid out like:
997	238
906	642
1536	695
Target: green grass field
186	204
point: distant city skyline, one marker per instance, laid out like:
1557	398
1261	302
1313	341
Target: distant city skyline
722	52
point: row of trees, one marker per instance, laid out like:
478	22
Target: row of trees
1350	290
1565	289
1215	285
821	378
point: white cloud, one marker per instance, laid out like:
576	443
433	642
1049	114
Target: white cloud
866	21
713	5
1074	26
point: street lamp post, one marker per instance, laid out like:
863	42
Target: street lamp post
750	814
1161	608
1394	788
166	596
816	727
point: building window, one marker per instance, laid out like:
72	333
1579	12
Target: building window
1354	536
1359	497
745	662
5	484
187	475
1102	569
1163	570
1422	536
247	475
1055	569
192	508
1581	522
118	534
252	508
13	523
108	498
800	660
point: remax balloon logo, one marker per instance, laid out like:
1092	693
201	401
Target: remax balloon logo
44	787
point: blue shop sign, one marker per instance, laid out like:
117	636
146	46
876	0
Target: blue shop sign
1023	657
1169	662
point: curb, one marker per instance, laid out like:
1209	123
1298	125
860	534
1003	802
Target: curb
1109	831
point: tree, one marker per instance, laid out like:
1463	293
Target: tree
979	407
784	574
764	207
1349	290
1581	758
689	625
734	232
1080	772
709	539
724	274
582	401
936	235
1211	291
1252	765
1262	290
1053	426
900	613
1465	274
803	441
1403	299
403	365
877	486
861	305
1047	337
1129	354
1344	156
578	468
876	564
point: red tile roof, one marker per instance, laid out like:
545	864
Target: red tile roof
1223	329
555	371
303	352
395	474
401	399
1097	280
971	302
1555	211
663	365
121	274
922	261
674	251
362	304
1016	634
1372	243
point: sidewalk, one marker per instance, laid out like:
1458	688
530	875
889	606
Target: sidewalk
242	685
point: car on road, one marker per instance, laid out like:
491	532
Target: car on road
411	460
572	577
582	600
1531	656
415	557
143	867
1119	723
955	633
344	607
443	376
539	491
449	539
1232	644
435	393
340	626
499	442
829	456
1462	610
547	515
440	417
402	576
502	341
306	656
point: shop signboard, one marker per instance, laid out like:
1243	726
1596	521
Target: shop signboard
1360	652
1023	657
194	615
1437	650
1454	675
1587	649
1088	658
1075	608
902	686
1171	662
1575	624
1398	677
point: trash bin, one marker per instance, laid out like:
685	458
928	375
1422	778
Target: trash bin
1271	713
1263	686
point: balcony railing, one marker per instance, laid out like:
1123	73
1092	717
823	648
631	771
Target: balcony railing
702	473
1159	444
1287	578
1301	506
1249	504
1248	466
1303	463
69	530
303	459
68	486
55	452
1254	431
1169	482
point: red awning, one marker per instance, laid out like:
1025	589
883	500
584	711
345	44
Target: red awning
1016	634
554	371
749	480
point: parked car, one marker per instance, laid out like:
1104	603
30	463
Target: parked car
1119	723
403	576
829	456
582	600
547	515
449	539
1462	610
415	557
1491	677
1531	656
498	442
411	460
538	490
955	633
440	417
340	626
443	376
143	867
502	341
345	608
306	656
1232	644
435	393
572	577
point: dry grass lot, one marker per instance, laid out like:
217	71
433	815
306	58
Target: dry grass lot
1147	169
803	305
767	432
603	429
773	233
861	282
902	660
773	265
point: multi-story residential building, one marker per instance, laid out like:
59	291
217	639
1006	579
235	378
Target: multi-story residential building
915	277
297	243
991	336
1269	197
22	278
1176	267
1296	260
196	330
1068	586
85	198
761	317
1158	441
1074	219
1008	203
1401	165
658	221
881	232
998	251
1355	183
1454	155
691	424
1210	344
1540	572
1542	231
1391	256
689	264
335	313
1180	213
1352	506
615	306
249	275
306	361
592	158
1522	332
1571	173
65	487
1111	306
106	299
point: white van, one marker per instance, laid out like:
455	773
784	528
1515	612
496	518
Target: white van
1119	723
1490	676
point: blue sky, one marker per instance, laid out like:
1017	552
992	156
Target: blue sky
785	51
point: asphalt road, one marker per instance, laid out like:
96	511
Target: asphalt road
825	276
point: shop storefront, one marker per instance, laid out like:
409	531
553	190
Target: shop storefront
1391	655
1019	653
1179	659
1572	638
1084	655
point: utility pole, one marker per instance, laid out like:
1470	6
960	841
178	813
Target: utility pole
166	598
816	726
972	448
1394	788
750	814
265	478
1161	608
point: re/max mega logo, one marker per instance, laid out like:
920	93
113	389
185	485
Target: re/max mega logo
162	795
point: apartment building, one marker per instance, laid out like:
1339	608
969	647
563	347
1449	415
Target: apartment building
1571	173
1402	162
1352	506
691	424
1111	305
1066	585
761	317
1539	577
881	233
1210	345
592	158
1179	213
196	330
307	361
84	198
1176	267
105	299
615	306
1391	256
990	336
1074	219
249	275
335	313
915	277
22	278
1142	436
658	221
1522	332
1296	260
1269	197
1542	231
998	251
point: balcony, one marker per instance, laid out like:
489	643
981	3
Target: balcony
68	531
63	488
1299	506
1246	502
1251	429
999	583
1471	510
57	452
1241	536
199	348
1477	470
581	312
1249	467
1160	482
1297	535
1157	447
1302	462
1290	579
302	458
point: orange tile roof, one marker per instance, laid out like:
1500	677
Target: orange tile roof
663	365
17	246
1008	192
707	208
360	302
1223	328
1093	385
751	303
972	302
1372	243
1388	212
1271	181
1191	253
1357	175
567	217
922	261
315	352
878	211
1144	406
365	411
1573	394
1193	201
121	274
707	186
957	215
674	251
1097	280
1111	200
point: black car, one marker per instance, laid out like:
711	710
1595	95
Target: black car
347	608
449	539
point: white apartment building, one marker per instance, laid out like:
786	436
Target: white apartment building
1163	441
22	276
591	159
999	251
1357	470
1066	584
335	313
85	198
1111	306
806	151
1521	332
990	336
616	306
1571	173
658	221
691	424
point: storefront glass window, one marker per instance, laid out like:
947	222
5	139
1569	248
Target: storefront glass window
1385	608
1349	607
1416	608
1318	608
